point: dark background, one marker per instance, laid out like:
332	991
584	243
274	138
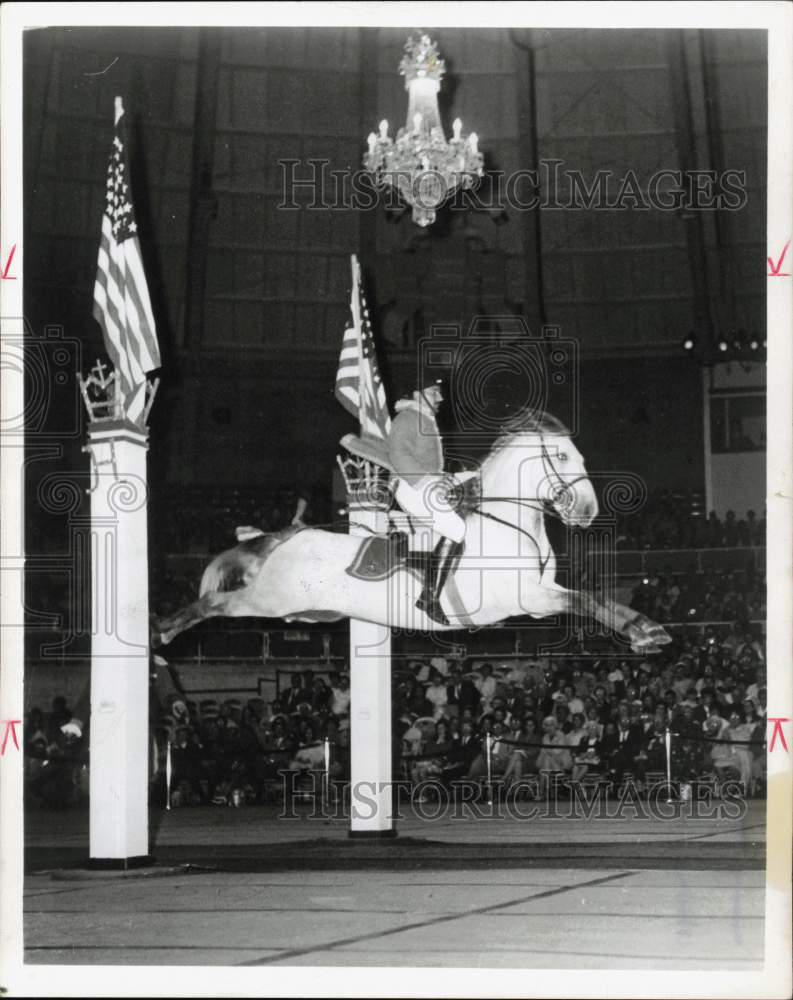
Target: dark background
250	350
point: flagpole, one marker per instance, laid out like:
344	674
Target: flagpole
360	390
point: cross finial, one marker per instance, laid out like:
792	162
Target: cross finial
99	370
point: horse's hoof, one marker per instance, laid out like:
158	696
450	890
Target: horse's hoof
156	637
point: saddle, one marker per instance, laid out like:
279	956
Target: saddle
379	556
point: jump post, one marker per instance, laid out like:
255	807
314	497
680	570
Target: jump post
368	500
120	667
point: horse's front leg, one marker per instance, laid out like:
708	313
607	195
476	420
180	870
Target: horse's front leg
645	636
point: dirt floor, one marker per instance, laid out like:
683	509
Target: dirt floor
242	887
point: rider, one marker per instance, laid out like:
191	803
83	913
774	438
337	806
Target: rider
416	455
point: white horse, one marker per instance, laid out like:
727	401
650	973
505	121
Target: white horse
508	567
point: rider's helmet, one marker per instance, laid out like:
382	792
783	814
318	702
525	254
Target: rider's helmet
432	393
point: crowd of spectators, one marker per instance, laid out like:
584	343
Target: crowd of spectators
56	756
585	718
674	520
580	719
198	522
713	597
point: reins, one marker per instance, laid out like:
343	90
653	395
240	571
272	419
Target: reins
558	484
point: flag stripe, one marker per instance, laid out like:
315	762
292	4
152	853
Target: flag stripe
359	387
122	305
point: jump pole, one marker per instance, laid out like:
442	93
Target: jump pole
119	742
371	808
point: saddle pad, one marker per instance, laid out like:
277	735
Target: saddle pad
378	557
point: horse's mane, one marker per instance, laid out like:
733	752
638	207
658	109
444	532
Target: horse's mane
539	422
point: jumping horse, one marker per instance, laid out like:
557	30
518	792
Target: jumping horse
508	567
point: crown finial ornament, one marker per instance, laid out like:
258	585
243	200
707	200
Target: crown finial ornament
104	399
100	393
367	483
421	59
420	163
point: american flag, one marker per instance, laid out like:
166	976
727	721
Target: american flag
359	387
121	296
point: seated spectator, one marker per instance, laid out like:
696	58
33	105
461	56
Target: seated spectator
278	749
321	696
721	754
60	714
514	700
58	784
460	691
188	773
433	754
577	731
441	665
522	759
575	705
739	730
586	754
340	695
462	752
411	698
436	694
554	757
340	756
500	753
295	693
621	750
486	685
310	752
687	748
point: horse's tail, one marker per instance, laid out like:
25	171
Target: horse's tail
214	576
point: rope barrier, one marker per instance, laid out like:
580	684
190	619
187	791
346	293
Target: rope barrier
573	747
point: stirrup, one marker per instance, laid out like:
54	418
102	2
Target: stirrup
432	609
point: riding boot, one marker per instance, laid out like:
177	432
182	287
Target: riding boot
438	567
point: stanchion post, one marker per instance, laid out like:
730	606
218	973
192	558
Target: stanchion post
488	751
168	773
668	746
326	777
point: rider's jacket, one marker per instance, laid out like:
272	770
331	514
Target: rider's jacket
414	442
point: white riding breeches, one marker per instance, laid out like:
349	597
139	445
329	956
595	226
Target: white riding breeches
428	502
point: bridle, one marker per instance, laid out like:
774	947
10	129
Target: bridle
560	489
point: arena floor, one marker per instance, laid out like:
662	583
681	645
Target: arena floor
241	887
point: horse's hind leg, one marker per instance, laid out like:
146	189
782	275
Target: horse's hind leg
212	604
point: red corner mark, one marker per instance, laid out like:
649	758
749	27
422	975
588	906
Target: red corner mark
10	728
775	270
777	720
6	276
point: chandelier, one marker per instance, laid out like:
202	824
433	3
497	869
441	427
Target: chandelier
421	164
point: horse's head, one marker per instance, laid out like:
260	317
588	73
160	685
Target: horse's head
565	484
540	461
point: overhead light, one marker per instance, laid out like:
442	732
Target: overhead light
723	345
754	344
688	343
421	163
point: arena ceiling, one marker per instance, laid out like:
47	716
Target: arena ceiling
214	114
